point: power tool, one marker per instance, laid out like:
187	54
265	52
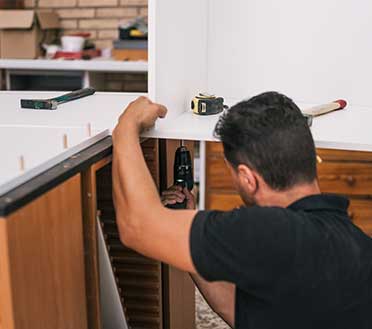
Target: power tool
182	173
205	104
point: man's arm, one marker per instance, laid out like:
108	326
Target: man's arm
144	224
220	296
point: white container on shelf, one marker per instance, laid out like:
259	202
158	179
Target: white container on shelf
72	43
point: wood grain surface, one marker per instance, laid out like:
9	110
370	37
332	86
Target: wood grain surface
42	262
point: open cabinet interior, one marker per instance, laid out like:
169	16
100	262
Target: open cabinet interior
131	290
138	279
314	52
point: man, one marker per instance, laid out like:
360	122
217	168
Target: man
294	260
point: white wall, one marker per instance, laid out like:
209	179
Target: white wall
314	51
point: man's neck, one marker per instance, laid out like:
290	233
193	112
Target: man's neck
272	198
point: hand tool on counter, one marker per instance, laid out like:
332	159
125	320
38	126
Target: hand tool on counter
183	173
316	111
325	108
52	103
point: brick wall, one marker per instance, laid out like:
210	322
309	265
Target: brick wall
99	17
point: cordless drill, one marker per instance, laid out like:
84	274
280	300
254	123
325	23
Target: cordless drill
183	173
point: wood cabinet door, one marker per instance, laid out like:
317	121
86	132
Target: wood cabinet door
42	283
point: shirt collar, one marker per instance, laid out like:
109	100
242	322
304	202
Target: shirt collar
321	202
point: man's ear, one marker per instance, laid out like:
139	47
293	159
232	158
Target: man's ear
247	178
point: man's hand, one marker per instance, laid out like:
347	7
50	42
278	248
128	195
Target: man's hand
140	114
177	194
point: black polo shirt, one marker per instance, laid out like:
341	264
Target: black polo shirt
305	266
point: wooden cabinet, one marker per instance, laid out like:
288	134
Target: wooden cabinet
341	172
42	274
153	295
49	251
219	192
349	173
138	278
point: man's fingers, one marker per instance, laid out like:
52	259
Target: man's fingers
167	202
143	99
162	111
174	188
174	197
188	194
174	193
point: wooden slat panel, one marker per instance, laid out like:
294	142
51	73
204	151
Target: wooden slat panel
46	258
138	278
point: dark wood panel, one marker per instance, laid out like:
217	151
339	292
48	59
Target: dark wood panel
138	279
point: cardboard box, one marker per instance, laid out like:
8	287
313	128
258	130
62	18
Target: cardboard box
130	54
23	31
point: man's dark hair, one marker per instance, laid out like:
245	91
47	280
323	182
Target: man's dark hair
269	134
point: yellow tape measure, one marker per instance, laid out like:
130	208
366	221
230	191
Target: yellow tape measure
205	104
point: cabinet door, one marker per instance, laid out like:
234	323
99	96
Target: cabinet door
138	279
42	282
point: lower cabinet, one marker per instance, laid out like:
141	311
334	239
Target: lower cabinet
346	173
49	251
153	295
42	283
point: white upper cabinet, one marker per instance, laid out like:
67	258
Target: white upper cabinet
313	51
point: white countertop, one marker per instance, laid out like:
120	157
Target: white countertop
349	129
100	110
94	65
38	135
29	151
23	130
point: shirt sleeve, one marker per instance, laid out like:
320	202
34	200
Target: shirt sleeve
251	247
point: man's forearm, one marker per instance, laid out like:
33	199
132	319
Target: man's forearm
144	224
220	296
